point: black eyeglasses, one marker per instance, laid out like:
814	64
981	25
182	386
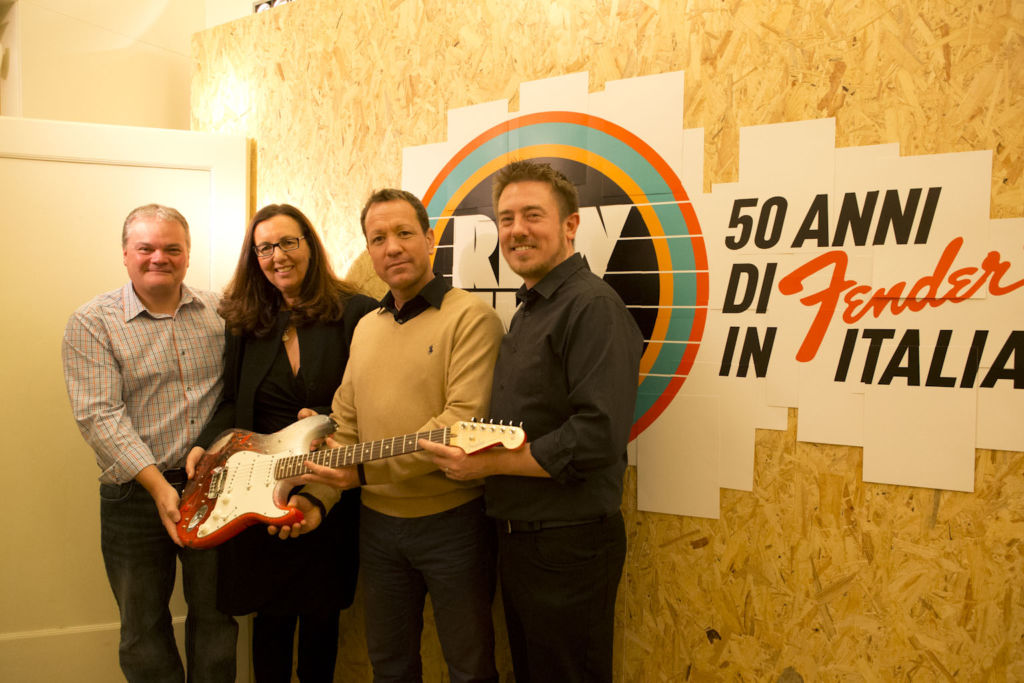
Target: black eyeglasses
266	250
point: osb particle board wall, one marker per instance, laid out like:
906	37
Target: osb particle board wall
814	573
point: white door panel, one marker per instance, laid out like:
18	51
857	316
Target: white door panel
66	188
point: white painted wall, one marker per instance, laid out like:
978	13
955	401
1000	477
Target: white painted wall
222	11
123	62
70	186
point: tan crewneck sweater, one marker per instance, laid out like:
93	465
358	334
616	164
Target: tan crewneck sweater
427	373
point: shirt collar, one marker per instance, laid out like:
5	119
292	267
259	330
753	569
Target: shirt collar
432	294
550	283
133	306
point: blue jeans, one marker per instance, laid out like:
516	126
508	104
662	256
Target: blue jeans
451	555
141	563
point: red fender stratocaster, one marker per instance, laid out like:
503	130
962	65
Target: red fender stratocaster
244	477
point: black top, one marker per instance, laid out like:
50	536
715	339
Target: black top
278	394
568	369
431	294
323	351
317	571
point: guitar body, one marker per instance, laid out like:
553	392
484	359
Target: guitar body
235	486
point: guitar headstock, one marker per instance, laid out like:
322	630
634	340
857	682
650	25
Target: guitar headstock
477	436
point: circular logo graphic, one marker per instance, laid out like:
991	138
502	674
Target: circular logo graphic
658	264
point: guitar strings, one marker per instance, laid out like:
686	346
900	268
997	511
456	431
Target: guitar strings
294	465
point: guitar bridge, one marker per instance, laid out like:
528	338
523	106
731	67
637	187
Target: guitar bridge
217	480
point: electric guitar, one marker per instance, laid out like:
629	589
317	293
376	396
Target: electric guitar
245	477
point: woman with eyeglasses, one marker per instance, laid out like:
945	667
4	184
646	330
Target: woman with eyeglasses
289	323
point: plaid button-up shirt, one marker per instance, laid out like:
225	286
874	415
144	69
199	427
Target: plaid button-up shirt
142	386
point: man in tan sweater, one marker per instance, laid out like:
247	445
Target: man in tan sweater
423	361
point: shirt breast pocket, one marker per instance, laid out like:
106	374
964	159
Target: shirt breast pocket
203	354
537	369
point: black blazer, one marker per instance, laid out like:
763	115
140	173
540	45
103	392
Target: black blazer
317	571
247	360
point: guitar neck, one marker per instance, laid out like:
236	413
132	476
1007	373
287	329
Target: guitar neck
368	451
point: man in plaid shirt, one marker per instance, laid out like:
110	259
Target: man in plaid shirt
143	366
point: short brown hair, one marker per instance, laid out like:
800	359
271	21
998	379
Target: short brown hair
160	211
521	171
390	194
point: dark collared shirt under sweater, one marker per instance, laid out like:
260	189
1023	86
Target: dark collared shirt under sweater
431	294
568	369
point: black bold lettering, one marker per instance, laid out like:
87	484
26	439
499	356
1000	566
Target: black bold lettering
973	359
857	221
849	341
1001	368
744	223
900	218
766	287
762	238
754	350
730	348
931	200
815	225
935	378
875	338
909	348
739	270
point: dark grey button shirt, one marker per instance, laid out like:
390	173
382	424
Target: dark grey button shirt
568	369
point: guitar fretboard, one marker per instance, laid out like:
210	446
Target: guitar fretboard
368	451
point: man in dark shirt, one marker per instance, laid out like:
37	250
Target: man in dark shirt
568	368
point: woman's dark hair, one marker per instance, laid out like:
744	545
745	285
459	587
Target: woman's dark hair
251	303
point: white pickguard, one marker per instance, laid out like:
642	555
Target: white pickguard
249	483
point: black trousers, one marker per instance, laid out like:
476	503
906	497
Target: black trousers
448	555
272	651
559	587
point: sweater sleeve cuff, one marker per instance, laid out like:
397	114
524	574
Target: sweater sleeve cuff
315	501
325	495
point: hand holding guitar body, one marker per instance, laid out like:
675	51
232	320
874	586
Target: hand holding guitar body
311	517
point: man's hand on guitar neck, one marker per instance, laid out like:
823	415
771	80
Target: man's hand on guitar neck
342	478
456	464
